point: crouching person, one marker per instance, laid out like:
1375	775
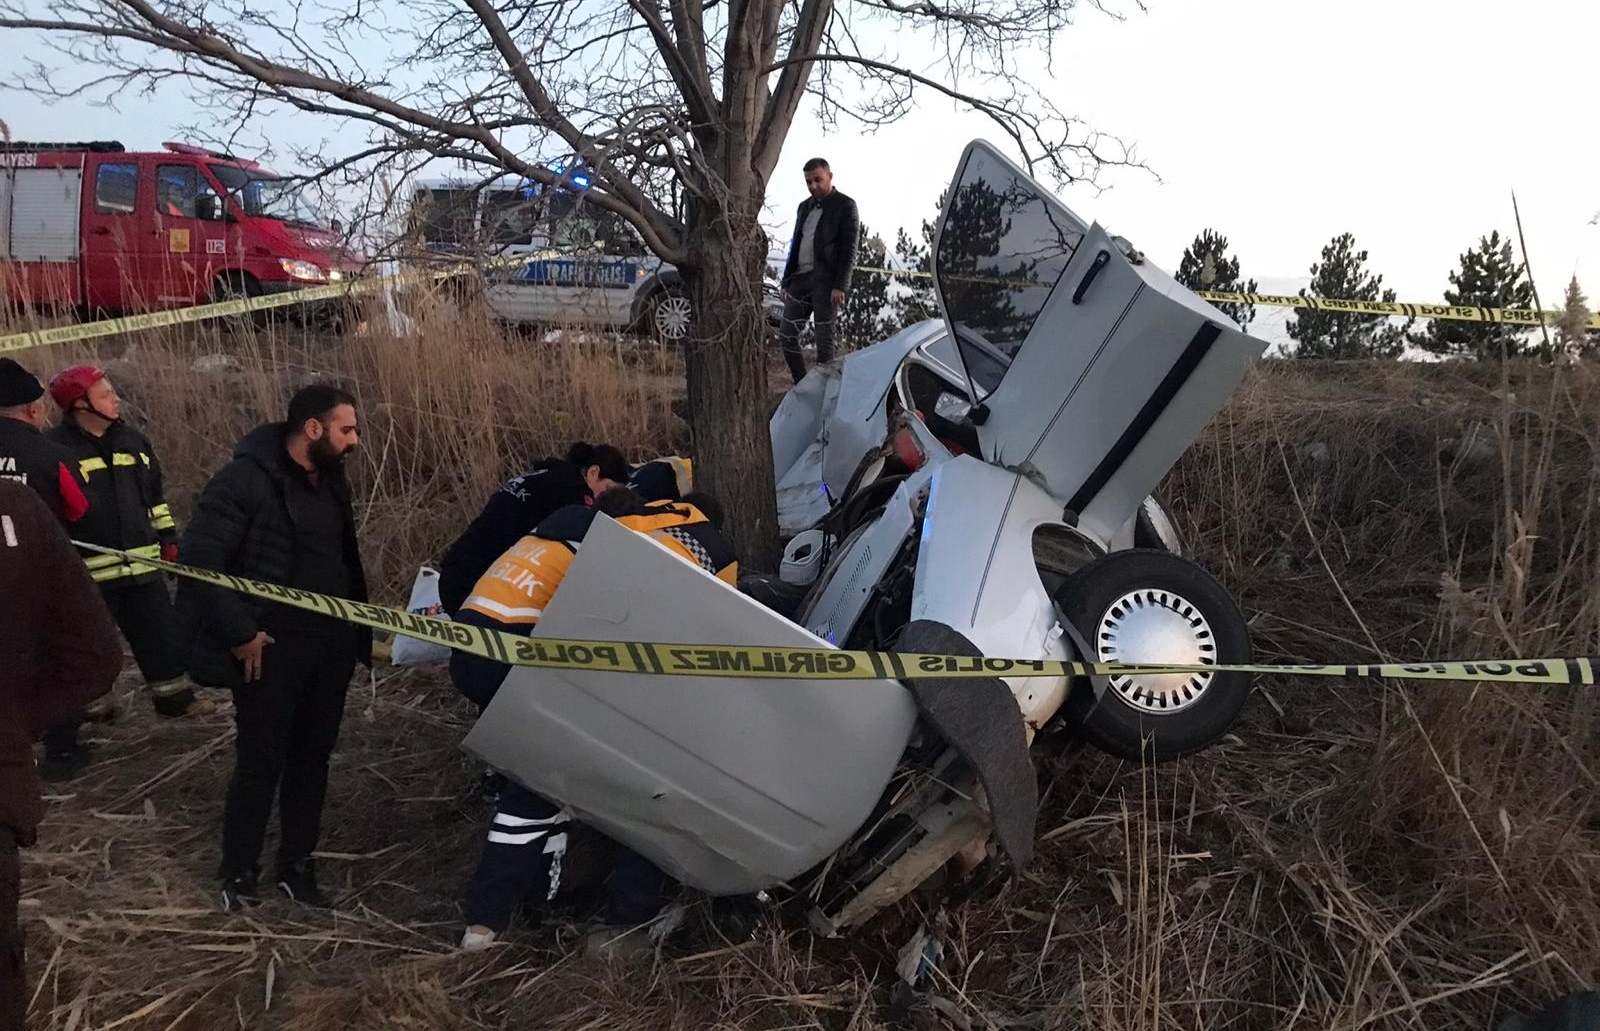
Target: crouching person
667	478
528	836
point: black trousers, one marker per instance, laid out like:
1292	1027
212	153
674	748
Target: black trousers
143	612
522	863
288	724
806	295
13	984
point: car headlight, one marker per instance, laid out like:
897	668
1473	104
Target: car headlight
306	270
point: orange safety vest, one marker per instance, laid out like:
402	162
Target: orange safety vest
521	582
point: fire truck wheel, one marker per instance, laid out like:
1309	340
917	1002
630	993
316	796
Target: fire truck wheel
236	286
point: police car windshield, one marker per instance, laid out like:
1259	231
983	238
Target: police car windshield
267	196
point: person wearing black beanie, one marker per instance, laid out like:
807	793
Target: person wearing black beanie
26	454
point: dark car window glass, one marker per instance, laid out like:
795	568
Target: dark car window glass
1002	248
177	188
115	189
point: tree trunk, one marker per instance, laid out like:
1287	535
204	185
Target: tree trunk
726	359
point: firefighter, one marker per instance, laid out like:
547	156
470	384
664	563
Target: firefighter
521	503
27	455
128	511
528	836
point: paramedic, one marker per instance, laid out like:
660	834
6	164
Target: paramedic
663	479
528	836
27	455
520	504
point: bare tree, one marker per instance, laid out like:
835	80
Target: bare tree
651	96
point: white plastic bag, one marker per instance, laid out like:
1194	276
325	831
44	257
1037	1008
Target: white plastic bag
409	651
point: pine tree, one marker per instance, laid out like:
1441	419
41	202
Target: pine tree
862	320
913	299
1342	275
1574	338
1207	266
1489	277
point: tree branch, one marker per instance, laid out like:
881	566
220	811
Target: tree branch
785	100
692	81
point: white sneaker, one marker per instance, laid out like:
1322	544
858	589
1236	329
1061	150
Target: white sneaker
477	938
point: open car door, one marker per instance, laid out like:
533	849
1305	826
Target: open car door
729	784
1093	371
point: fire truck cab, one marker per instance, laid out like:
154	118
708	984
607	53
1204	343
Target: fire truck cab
92	226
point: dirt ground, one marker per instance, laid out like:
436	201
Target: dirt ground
1356	855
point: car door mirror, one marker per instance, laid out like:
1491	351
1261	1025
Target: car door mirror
208	207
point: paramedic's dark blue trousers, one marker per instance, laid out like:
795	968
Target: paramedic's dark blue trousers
522	860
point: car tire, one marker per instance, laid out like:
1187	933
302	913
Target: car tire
237	286
670	315
1146	597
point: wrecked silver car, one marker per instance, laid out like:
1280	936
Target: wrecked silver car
980	485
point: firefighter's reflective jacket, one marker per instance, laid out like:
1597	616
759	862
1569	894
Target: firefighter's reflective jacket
127	503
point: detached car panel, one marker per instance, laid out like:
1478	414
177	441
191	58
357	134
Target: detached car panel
728	784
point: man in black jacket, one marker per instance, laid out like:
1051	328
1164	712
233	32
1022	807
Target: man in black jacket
281	512
127	510
816	275
27	455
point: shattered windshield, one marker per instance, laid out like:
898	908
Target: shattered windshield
268	196
1002	247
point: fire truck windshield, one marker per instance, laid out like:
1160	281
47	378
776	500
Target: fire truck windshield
266	196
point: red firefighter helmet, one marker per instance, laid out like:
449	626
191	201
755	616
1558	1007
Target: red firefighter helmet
72	385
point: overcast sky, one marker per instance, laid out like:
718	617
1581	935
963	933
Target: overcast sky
1279	123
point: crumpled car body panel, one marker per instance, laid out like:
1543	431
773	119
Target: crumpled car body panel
728	784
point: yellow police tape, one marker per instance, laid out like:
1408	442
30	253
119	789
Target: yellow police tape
246	305
785	663
1392	309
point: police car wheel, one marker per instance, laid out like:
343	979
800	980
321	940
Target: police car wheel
1151	606
671	315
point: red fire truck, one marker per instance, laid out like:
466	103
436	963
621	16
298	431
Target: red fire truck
92	226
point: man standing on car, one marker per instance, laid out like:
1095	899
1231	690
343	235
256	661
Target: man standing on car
816	275
61	652
128	511
280	512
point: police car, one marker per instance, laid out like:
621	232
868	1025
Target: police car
585	266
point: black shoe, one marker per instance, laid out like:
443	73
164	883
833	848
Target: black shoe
239	893
60	766
299	882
